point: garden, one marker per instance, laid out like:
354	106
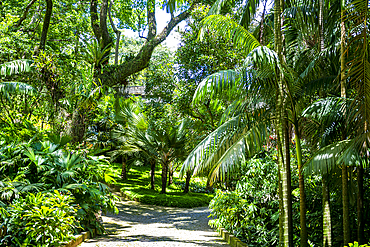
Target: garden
259	113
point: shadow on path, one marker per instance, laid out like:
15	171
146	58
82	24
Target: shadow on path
145	225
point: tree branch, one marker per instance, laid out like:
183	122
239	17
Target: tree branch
107	40
152	23
118	33
94	19
45	26
170	26
117	75
29	5
110	17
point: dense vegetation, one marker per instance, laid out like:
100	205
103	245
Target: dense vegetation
266	101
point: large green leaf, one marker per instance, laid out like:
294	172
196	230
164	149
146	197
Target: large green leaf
17	88
228	145
223	26
328	158
16	67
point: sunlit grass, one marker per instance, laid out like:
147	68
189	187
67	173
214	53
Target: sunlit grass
137	187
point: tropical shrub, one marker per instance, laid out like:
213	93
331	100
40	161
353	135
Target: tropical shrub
44	164
250	212
41	219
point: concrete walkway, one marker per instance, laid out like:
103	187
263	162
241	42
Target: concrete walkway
145	225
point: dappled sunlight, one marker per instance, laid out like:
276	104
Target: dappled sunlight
143	225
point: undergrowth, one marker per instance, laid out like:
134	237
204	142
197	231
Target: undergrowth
137	187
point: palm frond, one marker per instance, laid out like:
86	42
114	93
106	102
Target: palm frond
173	5
330	120
16	67
239	132
258	73
223	26
250	10
17	88
329	108
216	7
235	151
208	145
326	159
359	71
226	83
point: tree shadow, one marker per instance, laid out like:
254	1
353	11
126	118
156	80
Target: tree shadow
180	218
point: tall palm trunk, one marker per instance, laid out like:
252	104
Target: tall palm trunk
360	205
285	214
281	209
288	194
302	195
327	240
345	199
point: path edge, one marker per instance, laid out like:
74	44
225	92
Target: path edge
230	238
79	239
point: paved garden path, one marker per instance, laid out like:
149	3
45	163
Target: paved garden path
146	225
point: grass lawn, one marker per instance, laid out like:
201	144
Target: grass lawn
137	187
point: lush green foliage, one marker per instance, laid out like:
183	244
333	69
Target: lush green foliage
137	187
250	212
248	205
30	170
41	219
238	78
196	59
355	244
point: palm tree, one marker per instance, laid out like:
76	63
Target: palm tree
354	139
8	88
170	144
358	17
132	123
280	78
162	144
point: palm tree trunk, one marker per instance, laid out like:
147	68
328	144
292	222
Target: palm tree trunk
260	35
170	174
164	177
285	193
345	199
327	228
288	194
281	210
152	174
360	205
285	222
302	195
327	242
187	182
124	168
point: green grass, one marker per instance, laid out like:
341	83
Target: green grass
137	187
